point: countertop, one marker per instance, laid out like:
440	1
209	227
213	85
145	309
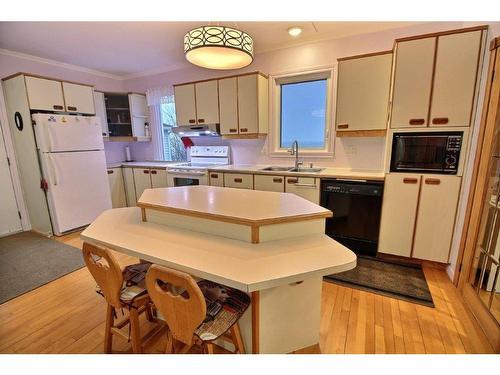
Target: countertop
245	266
247	207
141	164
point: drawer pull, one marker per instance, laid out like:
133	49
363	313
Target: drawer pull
154	172
296	283
71	108
110	171
292	180
277	180
342	126
440	120
312	186
201	120
238	180
57	106
192	121
146	171
214	175
244	130
233	130
416	121
408	180
432	181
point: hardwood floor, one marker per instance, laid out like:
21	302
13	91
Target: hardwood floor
67	316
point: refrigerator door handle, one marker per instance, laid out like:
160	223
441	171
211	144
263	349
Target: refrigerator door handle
53	171
49	137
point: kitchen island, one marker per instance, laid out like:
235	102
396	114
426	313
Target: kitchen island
270	245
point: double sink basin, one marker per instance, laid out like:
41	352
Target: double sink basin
292	169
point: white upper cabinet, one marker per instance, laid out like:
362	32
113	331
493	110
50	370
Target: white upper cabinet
185	104
44	94
228	102
455	75
138	114
412	82
78	98
363	92
100	111
248	112
207	102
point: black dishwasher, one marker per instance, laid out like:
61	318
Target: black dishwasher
356	207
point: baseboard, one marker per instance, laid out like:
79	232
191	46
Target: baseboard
451	273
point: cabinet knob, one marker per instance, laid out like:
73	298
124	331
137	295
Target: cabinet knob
432	181
233	130
408	180
154	172
201	120
55	106
110	171
277	180
146	171
342	126
214	175
71	108
440	120
238	180
243	130
416	121
192	121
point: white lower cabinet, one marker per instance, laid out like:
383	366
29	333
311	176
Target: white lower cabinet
158	178
117	188
216	179
436	217
418	215
305	187
269	183
142	180
128	178
238	180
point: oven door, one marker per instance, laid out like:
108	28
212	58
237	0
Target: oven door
426	153
186	178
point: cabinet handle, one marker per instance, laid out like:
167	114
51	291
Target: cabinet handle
277	180
110	171
146	171
408	180
440	120
57	106
192	121
432	181
243	130
71	108
201	120
213	175
342	126
233	130
292	180
416	121
154	172
238	180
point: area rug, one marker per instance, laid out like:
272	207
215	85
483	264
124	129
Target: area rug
29	260
388	278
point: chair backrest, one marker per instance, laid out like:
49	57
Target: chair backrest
183	311
108	276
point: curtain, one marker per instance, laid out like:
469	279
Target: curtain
155	97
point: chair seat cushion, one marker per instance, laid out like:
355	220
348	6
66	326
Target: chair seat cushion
225	306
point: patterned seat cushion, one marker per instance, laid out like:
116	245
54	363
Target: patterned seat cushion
228	304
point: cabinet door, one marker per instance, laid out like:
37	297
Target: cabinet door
305	187
158	178
412	83
185	106
455	75
78	98
248	108
117	188
138	105
228	103
100	111
142	180
44	94
436	217
128	178
207	102
363	92
399	210
238	180
269	183
216	179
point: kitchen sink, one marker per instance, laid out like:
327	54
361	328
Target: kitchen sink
306	170
274	168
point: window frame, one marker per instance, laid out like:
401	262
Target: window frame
275	149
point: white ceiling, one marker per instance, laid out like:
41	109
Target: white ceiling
136	48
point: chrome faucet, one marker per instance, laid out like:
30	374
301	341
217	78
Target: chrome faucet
294	150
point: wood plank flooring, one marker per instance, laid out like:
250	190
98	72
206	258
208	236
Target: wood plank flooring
67	316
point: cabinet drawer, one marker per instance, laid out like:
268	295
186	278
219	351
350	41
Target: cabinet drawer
305	187
269	183
216	179
238	180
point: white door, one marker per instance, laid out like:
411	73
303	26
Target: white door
9	218
185	106
248	107
138	114
228	102
100	112
142	180
44	94
305	187
269	183
55	133
116	187
158	178
78	98
207	102
78	188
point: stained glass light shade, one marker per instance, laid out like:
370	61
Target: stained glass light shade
218	47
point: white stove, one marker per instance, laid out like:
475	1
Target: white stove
195	172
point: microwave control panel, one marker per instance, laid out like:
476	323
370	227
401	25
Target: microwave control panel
452	152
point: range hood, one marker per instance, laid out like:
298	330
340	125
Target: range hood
208	130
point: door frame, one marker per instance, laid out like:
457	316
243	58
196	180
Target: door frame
14	173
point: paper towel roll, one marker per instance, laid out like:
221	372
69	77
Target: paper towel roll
127	154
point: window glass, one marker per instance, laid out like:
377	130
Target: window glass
173	148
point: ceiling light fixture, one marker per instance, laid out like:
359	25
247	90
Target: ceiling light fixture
218	47
295	31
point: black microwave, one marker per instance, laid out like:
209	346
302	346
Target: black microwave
426	152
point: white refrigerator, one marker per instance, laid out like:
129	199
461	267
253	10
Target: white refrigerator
73	164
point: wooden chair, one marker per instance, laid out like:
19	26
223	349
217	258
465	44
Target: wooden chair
182	304
110	281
